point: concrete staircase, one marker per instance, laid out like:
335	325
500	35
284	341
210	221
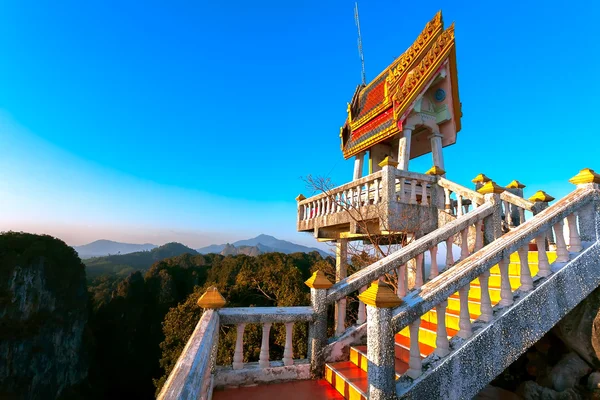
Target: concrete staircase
349	378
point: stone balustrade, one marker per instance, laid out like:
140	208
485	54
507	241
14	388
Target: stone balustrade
464	197
378	197
434	294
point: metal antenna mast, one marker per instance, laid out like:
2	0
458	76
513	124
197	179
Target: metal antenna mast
360	49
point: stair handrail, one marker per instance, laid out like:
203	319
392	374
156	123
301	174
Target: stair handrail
517	201
472	195
191	378
385	265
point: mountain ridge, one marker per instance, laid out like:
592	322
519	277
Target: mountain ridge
264	243
105	247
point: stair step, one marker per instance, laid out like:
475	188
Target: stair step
427	334
349	380
358	356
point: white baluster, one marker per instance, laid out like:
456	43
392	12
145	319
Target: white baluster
402	280
486	301
466	208
377	191
442	346
521	215
464	243
478	235
507	216
359	196
362	311
288	352
263	361
543	264
341	317
402	194
413	191
449	255
350	198
506	296
238	355
459	205
526	280
464	322
561	247
419	272
414	362
424	201
574	240
433	270
448	200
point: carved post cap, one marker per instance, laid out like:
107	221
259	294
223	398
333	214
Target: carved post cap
490	187
380	295
481	178
515	185
388	161
318	280
435	170
211	299
300	197
541	197
586	175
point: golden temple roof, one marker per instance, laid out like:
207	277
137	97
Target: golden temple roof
378	109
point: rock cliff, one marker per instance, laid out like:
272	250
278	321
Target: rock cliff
43	315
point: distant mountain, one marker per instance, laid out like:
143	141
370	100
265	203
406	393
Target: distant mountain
123	264
101	248
259	245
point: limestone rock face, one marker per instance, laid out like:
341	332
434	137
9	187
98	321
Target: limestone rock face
580	329
43	314
532	391
568	371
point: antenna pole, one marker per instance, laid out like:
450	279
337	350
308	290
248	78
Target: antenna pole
360	49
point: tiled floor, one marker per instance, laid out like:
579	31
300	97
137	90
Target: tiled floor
300	390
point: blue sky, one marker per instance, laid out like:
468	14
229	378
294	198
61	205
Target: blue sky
195	121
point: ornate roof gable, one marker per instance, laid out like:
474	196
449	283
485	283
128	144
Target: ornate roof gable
378	109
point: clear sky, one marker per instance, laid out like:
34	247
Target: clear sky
195	121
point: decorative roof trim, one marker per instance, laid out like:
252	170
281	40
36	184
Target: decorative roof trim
400	67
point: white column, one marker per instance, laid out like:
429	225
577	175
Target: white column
238	355
574	241
526	280
464	243
543	264
436	149
288	352
402	281
433	270
506	296
263	361
358	165
404	148
486	301
562	254
449	255
464	322
414	362
341	261
442	346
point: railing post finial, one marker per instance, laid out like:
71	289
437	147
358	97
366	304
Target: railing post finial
585	176
211	299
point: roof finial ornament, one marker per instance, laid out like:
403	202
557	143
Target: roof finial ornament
360	49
